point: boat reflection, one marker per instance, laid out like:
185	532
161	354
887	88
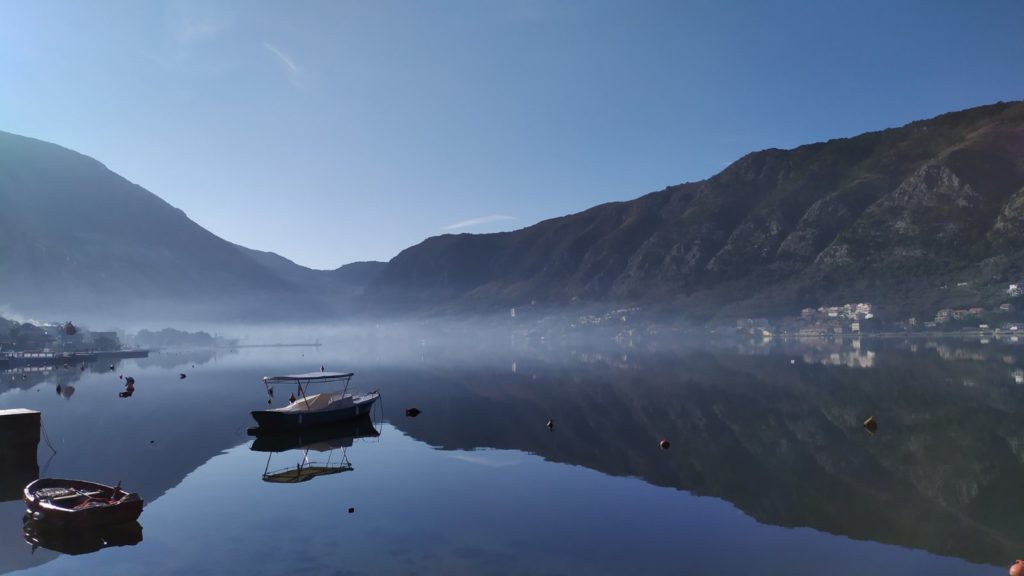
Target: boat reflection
321	440
42	534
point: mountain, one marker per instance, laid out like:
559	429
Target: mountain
892	217
911	219
340	285
77	240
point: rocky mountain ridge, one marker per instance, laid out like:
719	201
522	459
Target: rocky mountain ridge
886	216
892	217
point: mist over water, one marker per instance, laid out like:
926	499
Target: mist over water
768	458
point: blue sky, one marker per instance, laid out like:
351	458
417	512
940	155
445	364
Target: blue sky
331	132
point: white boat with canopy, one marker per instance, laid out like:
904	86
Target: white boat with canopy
306	409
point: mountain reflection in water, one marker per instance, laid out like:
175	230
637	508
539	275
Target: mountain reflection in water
774	428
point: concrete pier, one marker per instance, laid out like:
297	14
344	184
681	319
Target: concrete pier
19	441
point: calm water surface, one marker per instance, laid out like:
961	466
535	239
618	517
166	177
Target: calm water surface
769	469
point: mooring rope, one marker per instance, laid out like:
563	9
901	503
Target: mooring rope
46	436
380	404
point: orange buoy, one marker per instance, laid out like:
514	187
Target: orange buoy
1017	569
664	444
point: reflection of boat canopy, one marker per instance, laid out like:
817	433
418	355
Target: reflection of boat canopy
302	473
321	439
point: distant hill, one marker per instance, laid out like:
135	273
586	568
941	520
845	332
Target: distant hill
339	285
77	240
911	219
895	217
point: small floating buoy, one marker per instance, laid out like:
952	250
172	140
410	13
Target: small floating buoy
1017	569
870	424
412	412
551	424
792	361
664	444
120	376
182	376
351	510
111	367
58	389
152	441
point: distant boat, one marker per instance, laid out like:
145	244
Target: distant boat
77	503
313	409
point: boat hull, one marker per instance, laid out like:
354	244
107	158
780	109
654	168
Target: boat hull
126	510
273	420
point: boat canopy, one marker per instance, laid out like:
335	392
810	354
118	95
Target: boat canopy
309	377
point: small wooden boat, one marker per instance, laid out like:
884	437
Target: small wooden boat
315	409
79	503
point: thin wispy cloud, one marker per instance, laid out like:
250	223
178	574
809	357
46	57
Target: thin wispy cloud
192	34
190	31
478	221
290	67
